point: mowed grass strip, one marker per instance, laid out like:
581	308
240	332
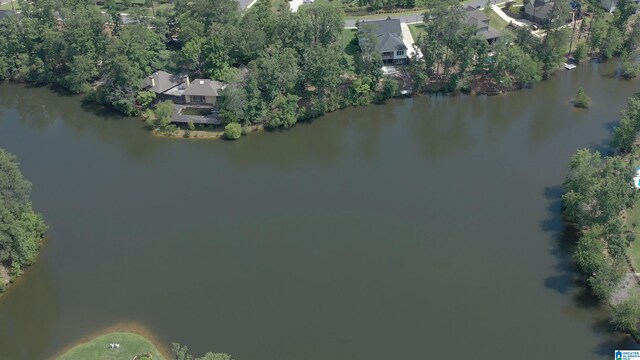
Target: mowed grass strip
98	348
633	224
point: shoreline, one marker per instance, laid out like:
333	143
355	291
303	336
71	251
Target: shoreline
126	327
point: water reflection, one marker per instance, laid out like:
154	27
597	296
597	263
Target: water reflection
40	108
441	128
29	311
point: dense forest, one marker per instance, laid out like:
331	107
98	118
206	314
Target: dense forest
21	229
297	63
598	192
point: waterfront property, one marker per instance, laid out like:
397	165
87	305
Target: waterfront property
479	19
538	11
388	34
195	101
180	90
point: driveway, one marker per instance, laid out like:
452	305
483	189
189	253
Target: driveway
407	38
509	19
294	5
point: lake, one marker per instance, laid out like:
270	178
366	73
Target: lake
423	228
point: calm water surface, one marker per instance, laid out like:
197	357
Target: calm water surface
402	231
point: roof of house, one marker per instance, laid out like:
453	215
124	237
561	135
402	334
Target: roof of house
476	17
4	13
387	31
204	87
481	21
162	81
539	8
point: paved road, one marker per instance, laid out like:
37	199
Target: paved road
418	17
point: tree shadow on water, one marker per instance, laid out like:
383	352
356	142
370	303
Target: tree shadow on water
568	280
564	237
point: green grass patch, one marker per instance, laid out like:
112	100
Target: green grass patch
350	46
633	218
98	348
8	6
495	21
277	4
416	30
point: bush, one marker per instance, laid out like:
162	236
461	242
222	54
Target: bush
580	53
2	286
582	100
233	131
626	314
629	69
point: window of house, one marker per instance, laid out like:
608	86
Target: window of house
197	99
400	52
388	53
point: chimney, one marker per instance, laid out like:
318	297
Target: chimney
153	81
186	80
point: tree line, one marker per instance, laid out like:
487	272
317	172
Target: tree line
597	190
21	229
280	66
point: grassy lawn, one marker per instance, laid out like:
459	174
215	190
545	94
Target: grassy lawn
276	4
633	218
7	6
495	21
416	30
98	348
350	47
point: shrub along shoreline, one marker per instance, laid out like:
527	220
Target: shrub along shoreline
21	229
598	190
298	65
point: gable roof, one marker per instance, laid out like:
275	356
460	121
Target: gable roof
162	81
391	42
476	17
388	33
204	87
539	8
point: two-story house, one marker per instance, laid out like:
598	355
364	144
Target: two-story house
480	20
388	35
538	11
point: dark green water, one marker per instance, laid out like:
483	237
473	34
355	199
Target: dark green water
410	230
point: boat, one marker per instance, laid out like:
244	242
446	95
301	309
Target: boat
569	66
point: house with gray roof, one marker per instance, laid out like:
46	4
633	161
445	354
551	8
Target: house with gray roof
202	91
388	35
538	11
480	20
180	90
610	5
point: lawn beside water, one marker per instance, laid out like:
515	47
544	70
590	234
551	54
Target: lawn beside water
98	348
633	224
